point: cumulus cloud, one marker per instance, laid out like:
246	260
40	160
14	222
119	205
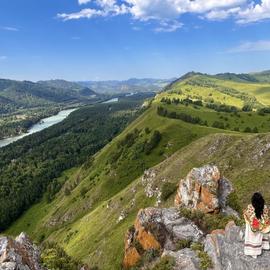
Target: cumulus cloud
252	46
168	12
255	12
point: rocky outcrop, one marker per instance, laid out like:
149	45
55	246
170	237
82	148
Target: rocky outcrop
204	189
226	248
19	254
185	259
157	229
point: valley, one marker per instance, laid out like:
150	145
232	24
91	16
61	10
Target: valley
95	193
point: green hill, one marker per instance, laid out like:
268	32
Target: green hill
199	119
26	94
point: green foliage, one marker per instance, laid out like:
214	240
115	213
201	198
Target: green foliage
153	142
182	116
165	263
208	222
30	167
167	190
54	257
205	260
247	108
218	124
184	243
233	201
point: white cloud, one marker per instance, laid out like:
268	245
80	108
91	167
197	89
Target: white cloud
8	28
168	26
219	15
82	2
252	46
255	12
168	12
84	13
3	57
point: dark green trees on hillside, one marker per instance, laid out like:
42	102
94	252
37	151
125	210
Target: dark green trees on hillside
30	167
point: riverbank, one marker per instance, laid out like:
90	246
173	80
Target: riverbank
38	126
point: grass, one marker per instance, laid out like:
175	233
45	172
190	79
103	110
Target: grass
86	221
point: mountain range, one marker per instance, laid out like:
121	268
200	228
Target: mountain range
127	86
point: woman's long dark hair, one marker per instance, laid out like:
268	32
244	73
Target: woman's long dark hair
258	203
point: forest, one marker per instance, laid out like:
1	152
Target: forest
30	167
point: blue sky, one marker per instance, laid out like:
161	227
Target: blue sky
110	39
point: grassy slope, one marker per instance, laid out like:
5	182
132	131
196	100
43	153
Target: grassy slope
86	224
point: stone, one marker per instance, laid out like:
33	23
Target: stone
19	254
227	251
157	228
185	259
199	190
204	189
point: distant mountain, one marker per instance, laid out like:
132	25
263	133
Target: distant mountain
69	86
127	86
263	76
26	94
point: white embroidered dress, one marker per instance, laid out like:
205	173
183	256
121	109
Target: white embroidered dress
257	232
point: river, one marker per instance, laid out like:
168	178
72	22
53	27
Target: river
42	124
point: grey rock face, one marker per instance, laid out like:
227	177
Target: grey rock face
185	259
19	254
227	251
171	226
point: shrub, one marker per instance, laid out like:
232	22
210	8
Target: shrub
83	191
208	222
153	142
247	108
54	257
247	130
205	260
233	202
183	243
165	263
167	190
218	124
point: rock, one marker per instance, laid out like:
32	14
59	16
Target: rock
157	228
199	190
19	254
204	189
227	251
185	259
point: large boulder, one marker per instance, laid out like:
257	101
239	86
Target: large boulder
226	249
157	228
204	189
19	254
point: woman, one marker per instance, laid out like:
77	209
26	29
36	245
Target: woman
257	226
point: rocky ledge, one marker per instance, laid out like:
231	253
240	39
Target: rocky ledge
19	254
162	230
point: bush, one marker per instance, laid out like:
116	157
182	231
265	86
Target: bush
54	257
208	222
153	142
247	130
183	243
165	263
205	260
218	124
167	190
233	202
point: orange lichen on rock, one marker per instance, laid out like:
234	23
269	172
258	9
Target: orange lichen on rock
145	238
